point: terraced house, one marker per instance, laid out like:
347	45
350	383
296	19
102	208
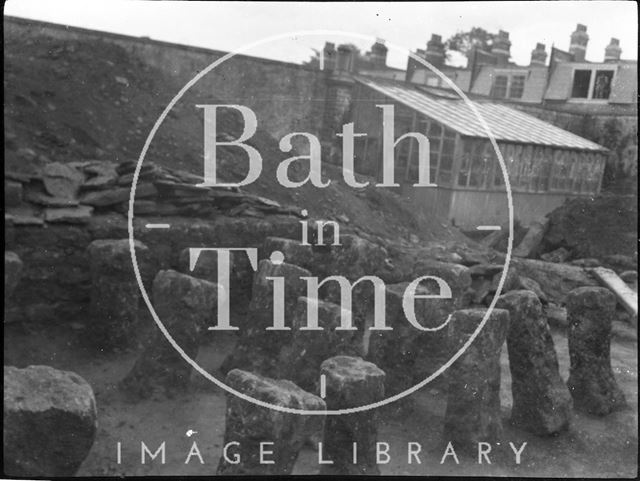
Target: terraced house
561	125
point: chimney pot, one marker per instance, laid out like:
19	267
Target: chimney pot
435	51
539	55
378	54
579	40
501	48
345	59
329	53
613	51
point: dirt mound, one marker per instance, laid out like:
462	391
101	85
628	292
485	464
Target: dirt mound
594	227
82	100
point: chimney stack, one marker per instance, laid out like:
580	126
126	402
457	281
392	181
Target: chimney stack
613	51
379	53
579	40
539	55
344	62
435	51
329	56
501	48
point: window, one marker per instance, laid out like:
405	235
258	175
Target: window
499	90
441	152
592	84
403	149
602	84
517	87
581	81
476	163
433	82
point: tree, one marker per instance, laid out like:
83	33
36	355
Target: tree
464	41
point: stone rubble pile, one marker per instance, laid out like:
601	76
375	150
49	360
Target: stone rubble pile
71	193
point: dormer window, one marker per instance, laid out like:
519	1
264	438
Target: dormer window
516	88
499	90
602	84
508	86
591	84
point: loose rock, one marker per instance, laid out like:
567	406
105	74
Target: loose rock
61	180
532	239
301	360
555	280
258	348
49	422
115	294
559	255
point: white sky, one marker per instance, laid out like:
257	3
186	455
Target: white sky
230	25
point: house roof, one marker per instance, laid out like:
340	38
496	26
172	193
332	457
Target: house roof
505	123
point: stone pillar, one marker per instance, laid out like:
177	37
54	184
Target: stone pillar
591	381
431	347
186	306
115	294
258	348
240	273
541	401
12	273
351	382
50	422
301	360
281	435
405	353
473	402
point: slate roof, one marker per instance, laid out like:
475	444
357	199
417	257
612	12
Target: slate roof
506	124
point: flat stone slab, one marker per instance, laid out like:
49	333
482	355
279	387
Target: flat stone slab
627	297
12	272
103	198
71	215
41	198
